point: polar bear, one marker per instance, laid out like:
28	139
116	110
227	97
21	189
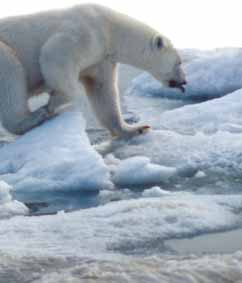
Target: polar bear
56	50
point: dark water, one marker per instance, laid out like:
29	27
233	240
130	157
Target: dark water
41	203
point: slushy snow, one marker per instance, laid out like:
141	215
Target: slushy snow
156	269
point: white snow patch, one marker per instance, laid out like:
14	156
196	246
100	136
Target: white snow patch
55	156
8	206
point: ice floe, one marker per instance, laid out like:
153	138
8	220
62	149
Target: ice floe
55	156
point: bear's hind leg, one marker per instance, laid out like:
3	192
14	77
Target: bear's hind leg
14	111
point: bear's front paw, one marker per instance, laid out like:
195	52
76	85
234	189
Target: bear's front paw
132	131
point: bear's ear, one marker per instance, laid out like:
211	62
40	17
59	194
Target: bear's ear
158	42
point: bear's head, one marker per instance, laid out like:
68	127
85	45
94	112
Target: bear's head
164	63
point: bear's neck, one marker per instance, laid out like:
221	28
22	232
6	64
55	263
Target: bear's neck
129	40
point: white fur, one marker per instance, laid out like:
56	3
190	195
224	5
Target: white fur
56	50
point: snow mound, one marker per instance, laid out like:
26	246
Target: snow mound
211	75
122	226
224	114
9	207
139	171
55	156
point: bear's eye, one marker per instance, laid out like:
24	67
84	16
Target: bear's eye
159	42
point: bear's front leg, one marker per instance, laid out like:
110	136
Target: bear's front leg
102	91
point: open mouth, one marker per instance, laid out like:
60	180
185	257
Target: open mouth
178	85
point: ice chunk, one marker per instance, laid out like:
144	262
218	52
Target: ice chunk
139	171
213	75
54	156
155	192
120	226
200	174
9	207
5	192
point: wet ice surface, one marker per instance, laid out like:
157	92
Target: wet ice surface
164	196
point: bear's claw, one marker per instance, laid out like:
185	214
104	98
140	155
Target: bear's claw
144	129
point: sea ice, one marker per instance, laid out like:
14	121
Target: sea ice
55	156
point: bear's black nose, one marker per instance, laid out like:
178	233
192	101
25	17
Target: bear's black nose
179	85
173	83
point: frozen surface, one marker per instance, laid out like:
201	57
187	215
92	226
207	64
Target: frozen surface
209	75
129	226
169	179
8	206
54	156
224	114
